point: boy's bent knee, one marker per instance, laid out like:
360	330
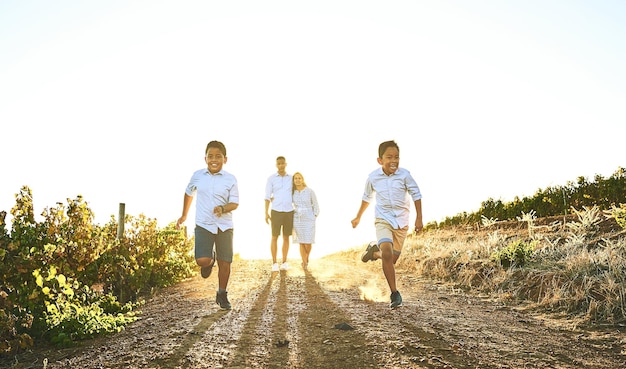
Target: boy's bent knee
386	250
204	262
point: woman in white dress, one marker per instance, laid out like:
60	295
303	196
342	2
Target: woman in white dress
305	213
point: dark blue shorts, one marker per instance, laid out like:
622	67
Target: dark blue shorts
223	242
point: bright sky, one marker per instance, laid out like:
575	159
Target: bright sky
116	101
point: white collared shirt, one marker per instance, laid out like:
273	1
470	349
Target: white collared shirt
278	192
393	202
213	190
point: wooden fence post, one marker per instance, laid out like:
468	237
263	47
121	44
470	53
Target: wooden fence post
120	221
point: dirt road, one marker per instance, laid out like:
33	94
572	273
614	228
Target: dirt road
293	319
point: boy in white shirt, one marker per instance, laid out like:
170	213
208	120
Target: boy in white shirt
217	196
391	184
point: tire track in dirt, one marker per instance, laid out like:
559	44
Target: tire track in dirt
245	326
187	342
252	347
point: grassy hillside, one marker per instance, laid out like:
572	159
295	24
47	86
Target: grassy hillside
574	266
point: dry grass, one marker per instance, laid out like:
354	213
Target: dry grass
578	266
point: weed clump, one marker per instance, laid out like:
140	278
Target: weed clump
516	253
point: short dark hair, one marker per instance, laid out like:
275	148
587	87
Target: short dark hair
281	158
217	145
385	145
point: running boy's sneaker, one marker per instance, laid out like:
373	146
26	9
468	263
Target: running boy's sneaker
396	300
369	252
205	272
275	267
222	300
284	266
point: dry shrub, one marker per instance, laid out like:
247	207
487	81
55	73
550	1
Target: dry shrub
478	274
533	285
568	273
437	268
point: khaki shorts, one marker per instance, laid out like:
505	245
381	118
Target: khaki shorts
282	220
385	233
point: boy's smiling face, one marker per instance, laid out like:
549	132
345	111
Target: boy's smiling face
214	159
390	160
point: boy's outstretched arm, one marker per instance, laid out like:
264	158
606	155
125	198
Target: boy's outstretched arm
355	221
186	204
419	223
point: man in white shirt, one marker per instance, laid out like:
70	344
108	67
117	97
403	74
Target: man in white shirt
278	198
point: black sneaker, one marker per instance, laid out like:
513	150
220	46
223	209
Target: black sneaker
222	300
369	252
205	272
396	300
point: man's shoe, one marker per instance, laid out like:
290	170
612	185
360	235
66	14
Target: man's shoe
369	252
284	266
205	272
222	300
275	267
396	300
